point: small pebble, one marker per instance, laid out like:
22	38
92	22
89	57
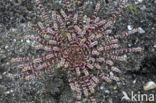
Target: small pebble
110	100
123	83
14	40
134	81
107	91
22	40
129	27
111	74
115	87
154	45
6	47
13	30
10	91
129	45
143	7
118	83
125	56
149	85
4	73
88	2
101	87
60	1
28	41
21	50
141	30
138	1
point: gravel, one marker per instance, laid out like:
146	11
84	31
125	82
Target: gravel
53	88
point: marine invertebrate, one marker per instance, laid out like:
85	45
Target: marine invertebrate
81	47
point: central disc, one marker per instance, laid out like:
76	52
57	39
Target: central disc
74	54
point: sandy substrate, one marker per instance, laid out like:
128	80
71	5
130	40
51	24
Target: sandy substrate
53	87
